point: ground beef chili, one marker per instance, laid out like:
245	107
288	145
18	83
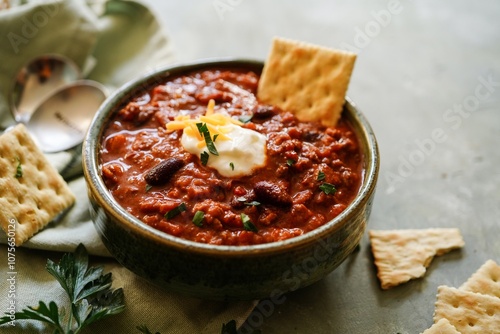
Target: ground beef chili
284	199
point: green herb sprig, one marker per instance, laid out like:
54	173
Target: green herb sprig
198	218
325	187
89	292
19	169
203	129
204	158
176	211
328	188
247	223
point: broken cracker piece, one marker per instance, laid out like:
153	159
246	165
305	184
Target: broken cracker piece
32	192
468	312
402	255
485	280
309	80
443	326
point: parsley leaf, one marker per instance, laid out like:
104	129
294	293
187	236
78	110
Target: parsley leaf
244	200
198	218
204	158
176	211
247	223
19	169
88	290
290	162
231	165
148	187
203	129
328	188
321	176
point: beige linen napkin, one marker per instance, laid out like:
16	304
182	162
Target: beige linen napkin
114	43
145	303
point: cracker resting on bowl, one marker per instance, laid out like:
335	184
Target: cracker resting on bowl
32	193
309	80
402	255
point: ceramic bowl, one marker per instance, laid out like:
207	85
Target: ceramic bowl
223	272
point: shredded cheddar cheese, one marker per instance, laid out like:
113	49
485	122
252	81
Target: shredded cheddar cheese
217	124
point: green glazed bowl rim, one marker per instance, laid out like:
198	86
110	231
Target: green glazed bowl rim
99	192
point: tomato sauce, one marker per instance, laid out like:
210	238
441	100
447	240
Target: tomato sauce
312	172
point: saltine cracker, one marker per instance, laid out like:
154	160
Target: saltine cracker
468	312
402	255
485	280
309	80
32	192
443	326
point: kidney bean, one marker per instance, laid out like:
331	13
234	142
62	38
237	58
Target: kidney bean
271	193
261	112
161	173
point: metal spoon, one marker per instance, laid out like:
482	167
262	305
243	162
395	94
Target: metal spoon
55	107
61	121
37	81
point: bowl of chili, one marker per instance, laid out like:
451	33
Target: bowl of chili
275	216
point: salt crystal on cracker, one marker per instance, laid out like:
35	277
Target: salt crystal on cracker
32	193
402	255
309	80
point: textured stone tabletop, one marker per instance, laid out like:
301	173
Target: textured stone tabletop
427	78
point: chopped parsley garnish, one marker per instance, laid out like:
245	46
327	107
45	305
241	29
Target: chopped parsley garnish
203	129
321	176
328	188
19	169
247	223
231	165
176	211
198	218
215	136
244	200
245	118
290	162
148	187
204	158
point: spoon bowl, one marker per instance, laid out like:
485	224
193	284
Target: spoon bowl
61	121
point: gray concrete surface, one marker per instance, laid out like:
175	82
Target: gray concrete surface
428	79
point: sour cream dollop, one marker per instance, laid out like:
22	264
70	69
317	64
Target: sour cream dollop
240	150
240	155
